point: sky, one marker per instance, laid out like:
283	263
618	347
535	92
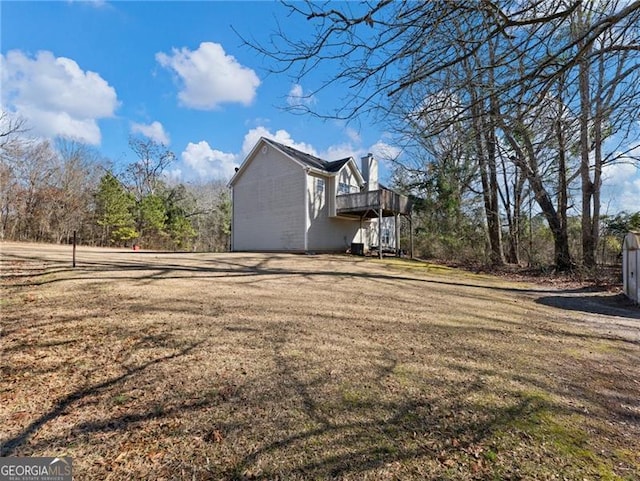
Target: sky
178	73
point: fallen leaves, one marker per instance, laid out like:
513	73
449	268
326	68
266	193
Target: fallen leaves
202	373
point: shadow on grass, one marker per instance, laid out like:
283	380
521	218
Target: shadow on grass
365	423
9	446
244	266
604	304
359	433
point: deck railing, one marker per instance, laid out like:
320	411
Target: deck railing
384	199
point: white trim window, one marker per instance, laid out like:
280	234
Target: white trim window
386	236
344	188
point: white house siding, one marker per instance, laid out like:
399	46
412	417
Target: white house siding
331	196
267	200
388	233
346	177
327	233
345	180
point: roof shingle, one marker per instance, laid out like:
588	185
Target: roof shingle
310	160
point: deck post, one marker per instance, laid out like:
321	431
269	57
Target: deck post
370	204
397	221
380	232
411	235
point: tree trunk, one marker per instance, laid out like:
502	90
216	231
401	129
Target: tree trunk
495	224
514	226
526	161
562	257
589	210
563	187
588	241
485	152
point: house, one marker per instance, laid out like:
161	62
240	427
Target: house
287	200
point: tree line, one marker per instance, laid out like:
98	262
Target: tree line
49	190
507	112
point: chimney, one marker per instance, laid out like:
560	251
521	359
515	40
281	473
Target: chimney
370	171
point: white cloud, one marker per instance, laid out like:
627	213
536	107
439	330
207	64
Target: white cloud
281	136
56	96
92	3
210	77
618	173
173	176
381	150
209	163
353	135
630	196
384	151
298	98
621	187
341	151
154	131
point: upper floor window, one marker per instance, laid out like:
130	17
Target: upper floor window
344	188
319	186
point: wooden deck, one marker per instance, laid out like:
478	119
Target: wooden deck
368	204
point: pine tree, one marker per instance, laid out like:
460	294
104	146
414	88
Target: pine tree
114	206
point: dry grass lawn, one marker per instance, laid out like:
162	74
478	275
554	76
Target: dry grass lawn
160	366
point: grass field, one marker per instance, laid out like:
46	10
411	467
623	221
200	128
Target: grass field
159	366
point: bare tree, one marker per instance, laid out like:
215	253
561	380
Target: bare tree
76	181
45	190
390	56
33	167
11	140
12	128
145	173
526	150
212	215
608	83
8	198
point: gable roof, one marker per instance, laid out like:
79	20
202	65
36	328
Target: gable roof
310	160
301	158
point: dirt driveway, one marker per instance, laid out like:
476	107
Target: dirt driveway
144	365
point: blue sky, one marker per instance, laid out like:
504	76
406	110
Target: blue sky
173	71
177	72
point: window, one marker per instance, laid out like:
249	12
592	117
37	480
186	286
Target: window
344	188
319	186
386	236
